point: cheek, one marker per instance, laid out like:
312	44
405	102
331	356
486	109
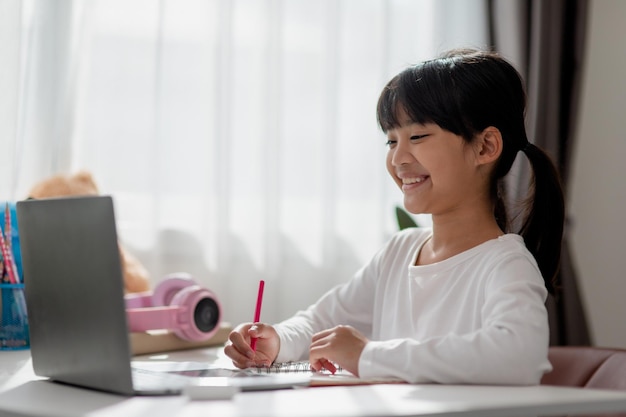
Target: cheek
389	165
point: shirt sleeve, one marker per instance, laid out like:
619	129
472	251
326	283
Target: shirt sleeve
510	347
346	304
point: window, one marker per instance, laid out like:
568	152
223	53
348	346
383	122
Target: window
238	137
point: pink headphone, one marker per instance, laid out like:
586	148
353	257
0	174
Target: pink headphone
178	303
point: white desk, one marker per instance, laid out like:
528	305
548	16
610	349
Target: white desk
22	393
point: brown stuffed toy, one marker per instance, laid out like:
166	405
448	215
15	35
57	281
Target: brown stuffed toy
136	277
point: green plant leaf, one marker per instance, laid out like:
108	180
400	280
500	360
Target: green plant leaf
404	219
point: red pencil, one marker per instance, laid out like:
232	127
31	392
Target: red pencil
257	311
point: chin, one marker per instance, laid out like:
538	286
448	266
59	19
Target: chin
415	206
413	209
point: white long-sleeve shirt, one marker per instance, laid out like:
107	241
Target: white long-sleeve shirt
478	317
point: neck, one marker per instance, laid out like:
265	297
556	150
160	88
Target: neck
454	233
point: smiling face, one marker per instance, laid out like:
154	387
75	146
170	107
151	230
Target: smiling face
437	170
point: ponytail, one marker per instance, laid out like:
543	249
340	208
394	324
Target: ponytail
544	215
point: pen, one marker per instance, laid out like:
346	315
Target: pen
257	311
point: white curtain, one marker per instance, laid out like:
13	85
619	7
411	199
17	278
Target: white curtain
238	137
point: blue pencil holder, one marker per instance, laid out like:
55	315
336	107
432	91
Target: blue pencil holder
14	332
14	321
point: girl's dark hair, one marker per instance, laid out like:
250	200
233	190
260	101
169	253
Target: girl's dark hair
464	92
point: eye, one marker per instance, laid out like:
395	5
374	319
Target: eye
417	137
391	143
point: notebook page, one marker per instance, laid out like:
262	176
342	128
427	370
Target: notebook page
323	378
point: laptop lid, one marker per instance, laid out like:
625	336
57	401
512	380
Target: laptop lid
74	292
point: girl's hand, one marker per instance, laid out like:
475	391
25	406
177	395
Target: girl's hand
341	344
239	350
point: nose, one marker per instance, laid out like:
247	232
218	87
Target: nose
401	153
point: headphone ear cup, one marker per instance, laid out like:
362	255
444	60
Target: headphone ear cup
165	290
200	313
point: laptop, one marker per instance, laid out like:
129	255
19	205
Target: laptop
75	302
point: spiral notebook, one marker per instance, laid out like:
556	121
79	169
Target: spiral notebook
292	369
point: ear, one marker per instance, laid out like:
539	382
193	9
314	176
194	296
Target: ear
488	145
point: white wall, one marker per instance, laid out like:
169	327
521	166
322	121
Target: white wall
597	198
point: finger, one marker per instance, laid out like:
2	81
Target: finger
240	343
320	335
239	360
253	333
317	358
259	331
323	364
316	366
328	365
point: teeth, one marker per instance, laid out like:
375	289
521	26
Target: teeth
412	180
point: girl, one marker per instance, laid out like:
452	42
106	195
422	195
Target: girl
463	301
